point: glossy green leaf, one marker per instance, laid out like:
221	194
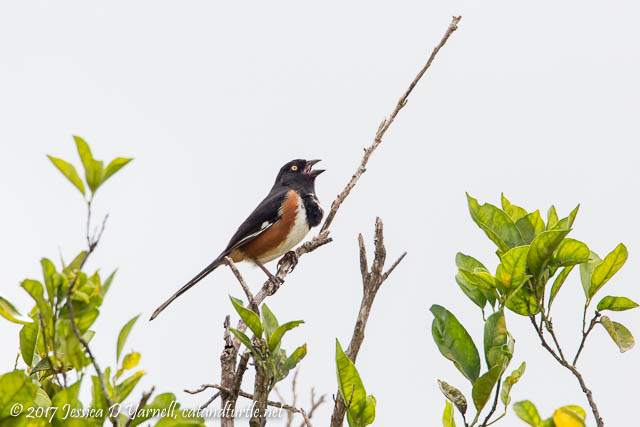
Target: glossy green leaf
586	270
447	417
484	385
509	382
269	321
454	395
616	304
512	270
523	301
277	335
9	312
496	224
36	291
570	252
76	264
28	340
468	263
530	226
95	174
83	151
244	339
66	398
557	284
123	335
454	342
479	278
362	409
291	361
567	223
527	412
126	387
552	217
107	283
42	399
607	268
542	249
114	166
619	333
473	293
49	273
15	387
250	318
69	171
514	212
495	336
84	321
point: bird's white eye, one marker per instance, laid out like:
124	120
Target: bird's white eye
294	168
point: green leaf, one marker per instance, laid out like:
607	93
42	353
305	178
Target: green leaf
269	321
291	361
243	339
557	284
114	166
9	312
123	335
552	217
509	382
512	270
514	212
567	223
49	273
620	335
447	418
16	387
542	249
67	398
454	342
586	270
479	278
607	268
454	395
616	304
473	293
362	407
483	387
84	151
523	301
76	263
69	171
126	387
107	284
468	263
94	174
495	336
98	401
527	412
496	224
530	226
42	399
570	252
131	360
275	339
84	321
250	318
28	340
35	289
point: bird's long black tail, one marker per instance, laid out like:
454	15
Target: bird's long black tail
208	269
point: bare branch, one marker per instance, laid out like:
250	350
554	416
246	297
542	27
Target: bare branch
593	323
393	266
245	395
243	284
384	126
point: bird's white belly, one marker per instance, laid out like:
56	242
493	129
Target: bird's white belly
299	230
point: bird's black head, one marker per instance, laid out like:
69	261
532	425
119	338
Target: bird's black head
298	173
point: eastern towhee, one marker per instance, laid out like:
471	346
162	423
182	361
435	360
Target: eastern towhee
279	223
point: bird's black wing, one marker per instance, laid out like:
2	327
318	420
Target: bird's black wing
261	219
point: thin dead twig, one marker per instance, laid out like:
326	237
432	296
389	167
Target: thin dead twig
143	401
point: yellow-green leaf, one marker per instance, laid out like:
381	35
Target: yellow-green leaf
620	335
83	151
509	382
131	360
512	270
496	224
9	312
114	166
570	252
566	417
530	226
123	335
514	212
69	171
607	268
250	318
527	412
447	417
616	304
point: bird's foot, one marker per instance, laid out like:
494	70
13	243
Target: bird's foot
276	282
292	257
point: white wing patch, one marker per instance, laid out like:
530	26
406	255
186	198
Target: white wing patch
264	227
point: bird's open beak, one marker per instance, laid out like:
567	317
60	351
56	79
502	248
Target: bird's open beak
309	165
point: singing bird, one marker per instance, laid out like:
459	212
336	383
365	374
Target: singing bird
279	223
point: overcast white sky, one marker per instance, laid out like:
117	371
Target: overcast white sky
539	100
